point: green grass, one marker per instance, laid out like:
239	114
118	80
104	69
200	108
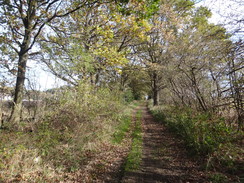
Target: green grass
122	130
218	178
125	123
134	158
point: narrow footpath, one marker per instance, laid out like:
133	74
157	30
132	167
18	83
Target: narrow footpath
164	157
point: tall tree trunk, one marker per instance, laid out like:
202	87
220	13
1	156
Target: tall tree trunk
155	97
155	90
23	57
19	88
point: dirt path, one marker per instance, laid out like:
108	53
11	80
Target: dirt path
164	157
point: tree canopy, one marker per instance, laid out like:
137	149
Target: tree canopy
147	47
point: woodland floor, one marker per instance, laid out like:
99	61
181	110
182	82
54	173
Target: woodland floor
164	159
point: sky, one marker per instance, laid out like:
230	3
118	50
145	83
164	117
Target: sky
227	13
41	78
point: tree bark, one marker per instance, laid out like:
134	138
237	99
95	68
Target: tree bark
19	88
155	90
20	80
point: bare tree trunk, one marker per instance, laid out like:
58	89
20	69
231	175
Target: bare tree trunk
155	90
1	119
19	89
155	98
23	54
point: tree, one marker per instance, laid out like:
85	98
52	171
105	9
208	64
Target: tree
156	52
97	43
23	22
199	54
236	82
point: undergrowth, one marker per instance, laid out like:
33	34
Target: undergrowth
82	119
205	135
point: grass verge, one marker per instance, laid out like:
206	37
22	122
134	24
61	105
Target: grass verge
134	157
122	130
125	124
